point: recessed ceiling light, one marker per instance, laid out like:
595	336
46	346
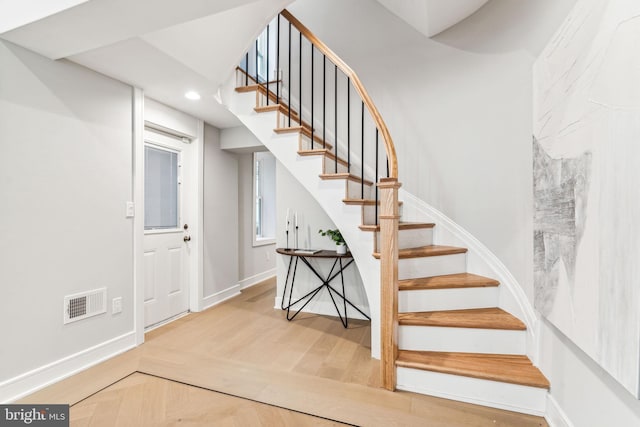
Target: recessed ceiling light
192	95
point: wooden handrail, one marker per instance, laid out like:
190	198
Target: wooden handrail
357	84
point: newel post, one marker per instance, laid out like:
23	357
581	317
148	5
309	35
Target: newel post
389	218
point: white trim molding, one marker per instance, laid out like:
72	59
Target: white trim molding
256	278
218	297
138	218
554	415
32	381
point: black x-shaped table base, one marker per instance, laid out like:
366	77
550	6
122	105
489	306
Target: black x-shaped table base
326	283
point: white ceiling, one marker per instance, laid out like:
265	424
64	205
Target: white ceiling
167	47
431	17
183	45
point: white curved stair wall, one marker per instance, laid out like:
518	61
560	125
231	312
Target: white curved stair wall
479	260
328	193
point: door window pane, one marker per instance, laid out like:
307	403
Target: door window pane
160	189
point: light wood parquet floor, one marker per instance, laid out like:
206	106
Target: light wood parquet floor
142	400
246	348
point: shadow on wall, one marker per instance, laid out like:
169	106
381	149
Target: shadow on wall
506	25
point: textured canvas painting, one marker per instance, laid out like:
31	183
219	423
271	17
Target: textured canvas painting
586	166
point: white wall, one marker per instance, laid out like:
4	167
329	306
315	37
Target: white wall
458	107
65	177
311	217
256	262
587	108
586	395
220	220
239	139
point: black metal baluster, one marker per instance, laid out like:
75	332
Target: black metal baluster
289	85
335	114
376	181
267	70
300	79
349	124
312	90
246	70
257	81
362	154
387	167
278	61
324	98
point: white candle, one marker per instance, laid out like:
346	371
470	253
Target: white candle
286	223
295	219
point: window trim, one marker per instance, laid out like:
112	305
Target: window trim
257	241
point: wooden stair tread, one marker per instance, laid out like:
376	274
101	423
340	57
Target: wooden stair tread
513	369
323	152
344	175
306	132
401	226
425	251
482	318
449	281
290	129
366	202
249	88
275	107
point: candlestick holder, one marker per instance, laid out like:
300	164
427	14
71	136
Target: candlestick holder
287	247
297	246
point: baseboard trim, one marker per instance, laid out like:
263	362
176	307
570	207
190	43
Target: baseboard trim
32	381
218	297
256	278
326	308
554	415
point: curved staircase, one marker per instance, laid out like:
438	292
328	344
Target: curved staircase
450	338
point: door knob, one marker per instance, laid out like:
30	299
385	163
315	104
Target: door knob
187	238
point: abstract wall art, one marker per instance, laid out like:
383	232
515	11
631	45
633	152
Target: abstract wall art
586	167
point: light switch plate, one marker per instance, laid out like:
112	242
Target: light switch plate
130	210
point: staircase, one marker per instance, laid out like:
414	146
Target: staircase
441	329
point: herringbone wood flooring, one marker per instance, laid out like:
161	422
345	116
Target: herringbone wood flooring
246	348
143	400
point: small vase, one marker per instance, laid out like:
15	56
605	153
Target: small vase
341	249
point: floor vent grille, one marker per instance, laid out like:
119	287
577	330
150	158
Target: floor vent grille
85	304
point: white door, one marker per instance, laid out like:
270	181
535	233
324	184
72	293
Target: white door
166	235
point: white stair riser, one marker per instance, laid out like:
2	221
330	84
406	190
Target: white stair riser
447	299
354	190
511	397
305	144
282	119
329	166
411	268
462	340
411	238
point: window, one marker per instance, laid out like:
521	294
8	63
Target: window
161	196
264	198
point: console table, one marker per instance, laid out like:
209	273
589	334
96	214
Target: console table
326	281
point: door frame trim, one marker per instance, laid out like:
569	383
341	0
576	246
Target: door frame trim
196	206
138	219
